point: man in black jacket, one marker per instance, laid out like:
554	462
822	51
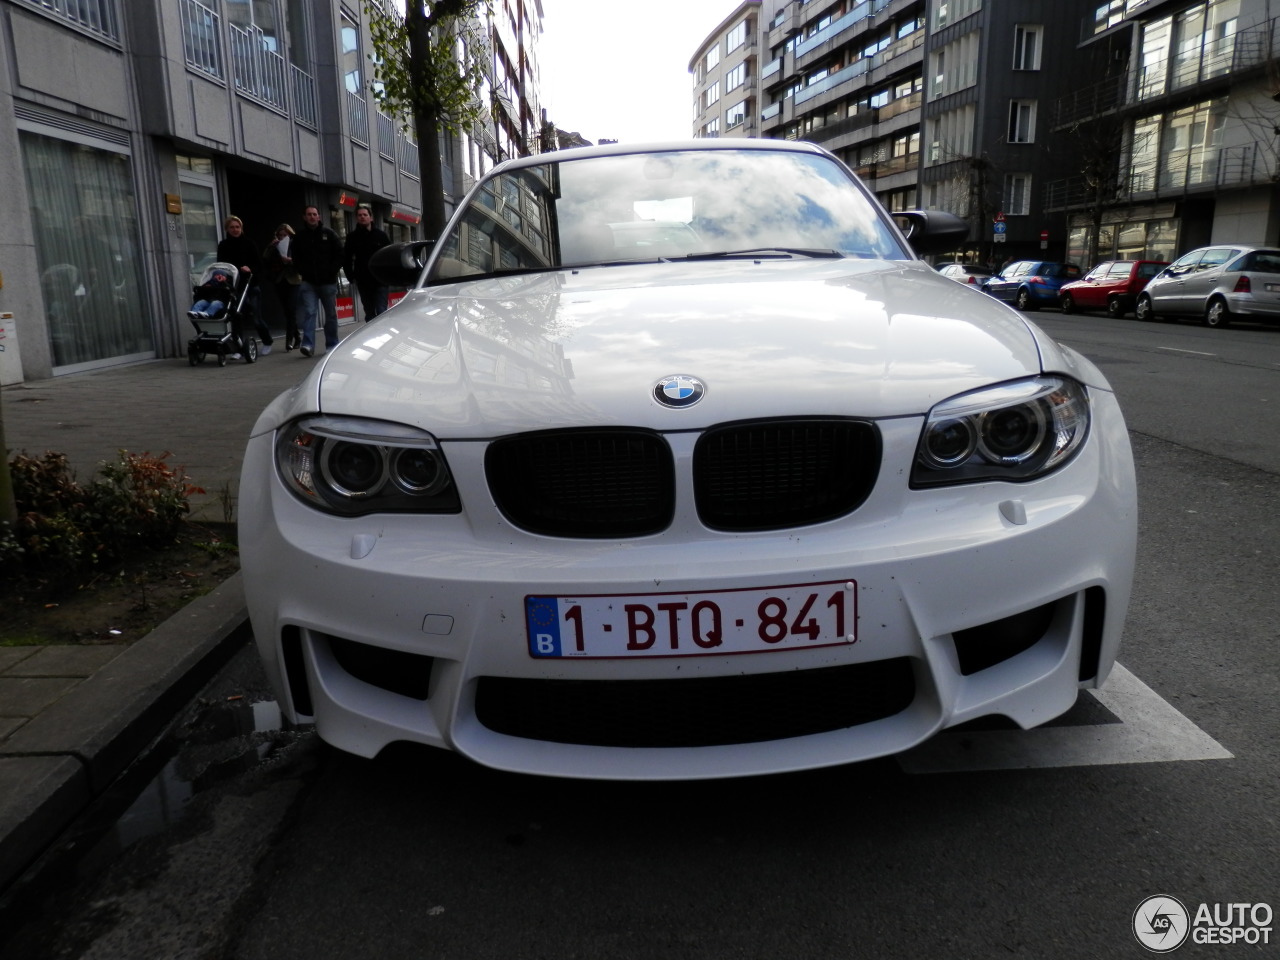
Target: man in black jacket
362	243
316	253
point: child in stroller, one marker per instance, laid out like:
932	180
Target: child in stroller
212	295
219	298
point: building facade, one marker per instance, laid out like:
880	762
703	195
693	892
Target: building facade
1072	129
725	70
130	130
1182	116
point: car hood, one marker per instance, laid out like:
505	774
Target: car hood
587	347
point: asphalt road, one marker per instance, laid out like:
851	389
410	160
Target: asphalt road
314	854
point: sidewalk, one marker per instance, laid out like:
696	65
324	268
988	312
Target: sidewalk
72	718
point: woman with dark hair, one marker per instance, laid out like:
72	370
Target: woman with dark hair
237	249
285	278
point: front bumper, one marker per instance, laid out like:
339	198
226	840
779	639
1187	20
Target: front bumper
448	592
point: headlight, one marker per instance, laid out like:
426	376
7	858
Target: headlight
353	466
1014	431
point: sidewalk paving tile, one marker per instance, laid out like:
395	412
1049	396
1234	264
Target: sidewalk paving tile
27	696
66	660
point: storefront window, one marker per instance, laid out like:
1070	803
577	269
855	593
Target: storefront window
86	232
1162	239
1132	244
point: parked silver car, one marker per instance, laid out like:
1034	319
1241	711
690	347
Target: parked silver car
971	273
1217	284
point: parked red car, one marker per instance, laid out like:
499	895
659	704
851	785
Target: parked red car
1112	285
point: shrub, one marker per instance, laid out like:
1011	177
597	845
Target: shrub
65	531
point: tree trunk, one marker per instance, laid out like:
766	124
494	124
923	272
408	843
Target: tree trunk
431	178
434	216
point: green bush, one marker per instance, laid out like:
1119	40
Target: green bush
65	532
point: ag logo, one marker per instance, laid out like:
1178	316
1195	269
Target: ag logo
1161	923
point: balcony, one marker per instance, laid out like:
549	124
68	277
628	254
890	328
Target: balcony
847	125
831	81
901	105
861	12
1217	62
304	97
357	118
1247	165
909	43
259	70
202	38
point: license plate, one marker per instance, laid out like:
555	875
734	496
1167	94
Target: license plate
1273	287
754	620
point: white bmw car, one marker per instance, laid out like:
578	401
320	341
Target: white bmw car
676	462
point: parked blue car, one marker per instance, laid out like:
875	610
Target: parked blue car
1031	284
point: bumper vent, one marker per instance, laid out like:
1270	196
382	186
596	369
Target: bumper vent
584	483
695	712
786	473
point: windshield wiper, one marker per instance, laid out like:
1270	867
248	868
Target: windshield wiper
754	252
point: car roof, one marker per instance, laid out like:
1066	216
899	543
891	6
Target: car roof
663	146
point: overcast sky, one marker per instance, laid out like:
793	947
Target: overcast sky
621	70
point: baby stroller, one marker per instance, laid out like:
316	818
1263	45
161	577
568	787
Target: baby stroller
218	331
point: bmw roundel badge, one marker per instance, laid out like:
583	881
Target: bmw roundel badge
679	391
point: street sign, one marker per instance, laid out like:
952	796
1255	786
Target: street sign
999	218
999	227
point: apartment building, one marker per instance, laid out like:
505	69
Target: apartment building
942	104
1181	115
849	76
725	70
130	130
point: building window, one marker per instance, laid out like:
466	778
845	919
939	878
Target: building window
952	135
1026	46
96	16
258	66
88	251
713	93
955	66
201	38
735	77
1017	194
712	129
953	11
351	57
1022	121
713	57
735	115
736	37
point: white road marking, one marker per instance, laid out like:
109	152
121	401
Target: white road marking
1149	731
1198	353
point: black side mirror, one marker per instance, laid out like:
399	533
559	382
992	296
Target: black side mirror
401	264
932	231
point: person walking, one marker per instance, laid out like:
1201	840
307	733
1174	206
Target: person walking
239	251
361	244
317	256
285	279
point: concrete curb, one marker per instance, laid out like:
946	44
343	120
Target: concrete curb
53	767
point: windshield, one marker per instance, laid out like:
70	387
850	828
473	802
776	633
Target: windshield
695	204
